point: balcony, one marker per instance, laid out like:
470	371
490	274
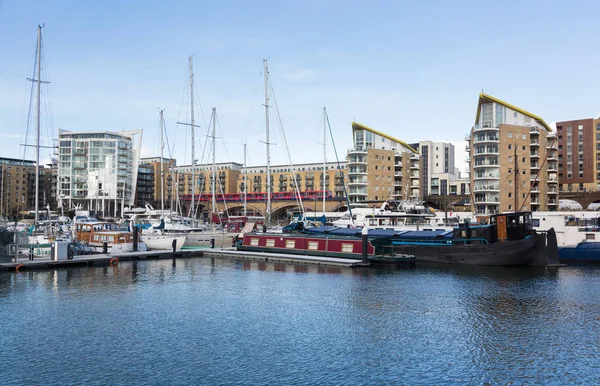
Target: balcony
488	188
552	202
552	146
357	150
486	176
534	154
357	160
414	166
534	131
486	151
486	139
486	126
552	192
534	143
414	176
486	165
534	166
552	180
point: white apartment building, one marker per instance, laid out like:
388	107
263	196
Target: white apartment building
98	170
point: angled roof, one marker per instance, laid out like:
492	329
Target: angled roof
484	98
356	125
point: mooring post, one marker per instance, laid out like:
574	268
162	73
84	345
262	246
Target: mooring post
212	243
105	247
135	238
365	240
174	245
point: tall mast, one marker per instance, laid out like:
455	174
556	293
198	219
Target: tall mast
266	72
193	207
162	173
324	155
245	181
37	129
214	167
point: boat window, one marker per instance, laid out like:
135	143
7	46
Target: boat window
270	243
290	243
590	236
314	245
347	247
536	222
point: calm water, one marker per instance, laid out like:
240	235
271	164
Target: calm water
223	321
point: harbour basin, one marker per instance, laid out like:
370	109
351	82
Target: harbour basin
217	321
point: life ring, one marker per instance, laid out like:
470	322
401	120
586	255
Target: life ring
18	267
114	261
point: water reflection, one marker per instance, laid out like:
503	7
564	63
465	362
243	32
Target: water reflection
220	320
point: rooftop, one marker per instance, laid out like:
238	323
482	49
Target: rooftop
356	125
484	98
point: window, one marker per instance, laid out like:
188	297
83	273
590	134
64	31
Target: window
509	195
523	147
509	147
515	115
509	134
347	247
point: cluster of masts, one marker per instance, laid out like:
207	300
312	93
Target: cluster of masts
193	126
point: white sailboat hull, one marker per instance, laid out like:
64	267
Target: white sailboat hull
203	239
161	242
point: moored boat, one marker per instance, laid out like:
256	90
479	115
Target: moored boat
507	240
97	234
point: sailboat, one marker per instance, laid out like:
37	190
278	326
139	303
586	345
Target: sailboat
41	235
157	241
213	237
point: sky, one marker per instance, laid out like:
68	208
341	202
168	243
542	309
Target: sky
411	69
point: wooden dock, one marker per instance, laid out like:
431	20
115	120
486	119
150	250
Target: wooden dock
45	263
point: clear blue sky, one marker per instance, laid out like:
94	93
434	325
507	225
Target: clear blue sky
412	69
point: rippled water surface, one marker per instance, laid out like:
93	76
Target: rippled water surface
223	321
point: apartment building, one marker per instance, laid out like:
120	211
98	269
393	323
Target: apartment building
512	159
437	167
308	177
17	184
98	170
381	166
576	159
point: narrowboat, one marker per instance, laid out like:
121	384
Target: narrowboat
508	239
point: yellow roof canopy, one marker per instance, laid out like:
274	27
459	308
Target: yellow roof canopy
484	98
356	125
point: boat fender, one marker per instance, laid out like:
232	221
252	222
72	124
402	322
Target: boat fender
114	261
18	267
